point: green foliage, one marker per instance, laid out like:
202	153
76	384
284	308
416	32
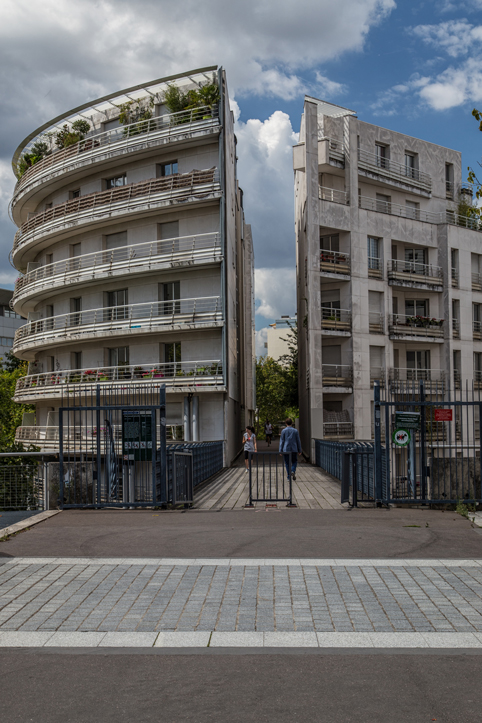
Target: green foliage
472	178
277	385
69	136
464	509
177	101
10	412
38	151
136	114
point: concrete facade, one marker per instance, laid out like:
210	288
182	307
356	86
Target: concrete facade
137	263
9	322
388	276
278	335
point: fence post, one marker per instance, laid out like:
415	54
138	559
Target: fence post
377	471
423	451
61	458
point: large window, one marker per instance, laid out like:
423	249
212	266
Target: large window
116	181
167	169
382	155
411	165
416	307
172	358
117	305
416	260
118	356
75	311
330	243
374	246
171	292
418	365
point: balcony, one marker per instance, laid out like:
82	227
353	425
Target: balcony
335	322
477	379
476	282
104	206
413	328
399	374
375	267
186	251
331	152
466	189
337	375
455	328
338	430
333	195
128	139
145	318
477	330
474	223
388	170
334	262
191	376
412	274
47	437
394	209
376	322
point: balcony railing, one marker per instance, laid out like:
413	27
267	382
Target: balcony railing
152	255
400	374
392	170
423	326
335	319
414	272
119	200
336	148
472	222
337	375
455	278
376	322
477	379
333	195
375	267
334	262
377	374
394	209
476	282
135	136
120	320
196	374
49	436
477	329
455	328
338	430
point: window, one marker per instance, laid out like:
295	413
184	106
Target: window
170	293
411	165
76	360
119	356
116	305
416	260
111	125
454	258
167	169
477	320
115	240
456	365
416	307
476	266
373	253
6	341
455	318
375	312
449	180
116	181
75	251
382	155
168	232
172	358
418	365
75	311
477	366
377	363
74	194
10	314
50	363
330	243
412	210
383	203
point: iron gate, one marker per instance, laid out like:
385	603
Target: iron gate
110	442
182	478
428	444
269	481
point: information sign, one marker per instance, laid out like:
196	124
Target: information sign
401	437
137	436
407	420
442	415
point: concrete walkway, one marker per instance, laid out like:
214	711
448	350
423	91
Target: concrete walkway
313	489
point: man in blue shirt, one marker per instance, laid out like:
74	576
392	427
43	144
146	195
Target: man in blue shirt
290	447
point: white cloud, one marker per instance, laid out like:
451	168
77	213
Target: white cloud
327	88
265	170
275	292
455	37
455	86
261	338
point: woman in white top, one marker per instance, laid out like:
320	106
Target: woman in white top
249	441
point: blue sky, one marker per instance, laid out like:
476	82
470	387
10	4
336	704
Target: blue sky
414	67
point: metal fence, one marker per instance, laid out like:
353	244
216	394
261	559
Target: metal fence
269	480
22	486
205	459
332	457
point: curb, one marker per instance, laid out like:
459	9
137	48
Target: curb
19	526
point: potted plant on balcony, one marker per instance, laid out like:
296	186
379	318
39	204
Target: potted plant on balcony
103	376
138	372
37	152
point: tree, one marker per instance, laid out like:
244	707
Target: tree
472	177
290	362
11	369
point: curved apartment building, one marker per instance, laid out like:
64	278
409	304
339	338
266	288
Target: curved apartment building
136	264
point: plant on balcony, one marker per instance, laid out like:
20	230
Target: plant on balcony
138	372
89	373
38	152
75	378
177	101
214	369
136	114
69	136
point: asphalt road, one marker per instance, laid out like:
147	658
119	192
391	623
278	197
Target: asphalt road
333	688
369	533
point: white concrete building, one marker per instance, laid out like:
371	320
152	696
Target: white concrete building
9	322
278	335
389	270
136	262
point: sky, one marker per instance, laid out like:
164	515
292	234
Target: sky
413	66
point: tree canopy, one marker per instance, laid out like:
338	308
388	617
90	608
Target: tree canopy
11	369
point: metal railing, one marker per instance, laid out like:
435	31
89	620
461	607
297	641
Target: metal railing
119	140
471	222
151	255
395	209
476	282
148	316
121	199
477	329
44	435
335	262
390	169
337	375
173	374
333	195
336	148
400	374
455	328
402	325
338	430
377	374
376	322
414	271
207	459
455	277
21	486
335	319
375	267
269	480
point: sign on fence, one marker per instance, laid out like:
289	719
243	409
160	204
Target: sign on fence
442	415
137	435
407	420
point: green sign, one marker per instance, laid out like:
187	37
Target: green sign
401	437
137	436
407	420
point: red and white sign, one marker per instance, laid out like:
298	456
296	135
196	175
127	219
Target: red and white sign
442	415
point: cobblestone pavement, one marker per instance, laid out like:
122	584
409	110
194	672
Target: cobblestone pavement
316	596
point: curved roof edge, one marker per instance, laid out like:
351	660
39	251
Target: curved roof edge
90	104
